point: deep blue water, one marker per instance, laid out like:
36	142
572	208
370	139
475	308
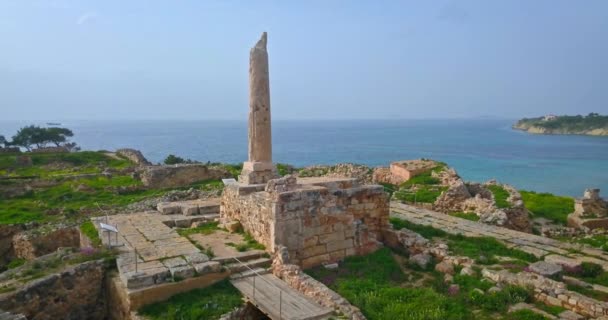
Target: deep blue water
478	149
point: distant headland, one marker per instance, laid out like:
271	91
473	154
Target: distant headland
592	124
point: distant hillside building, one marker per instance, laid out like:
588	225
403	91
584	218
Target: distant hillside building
549	117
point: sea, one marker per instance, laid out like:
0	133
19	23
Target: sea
479	149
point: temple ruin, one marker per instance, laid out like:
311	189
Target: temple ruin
318	220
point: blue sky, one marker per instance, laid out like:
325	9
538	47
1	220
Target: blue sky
328	59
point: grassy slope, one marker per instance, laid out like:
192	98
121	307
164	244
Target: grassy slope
377	285
68	198
549	206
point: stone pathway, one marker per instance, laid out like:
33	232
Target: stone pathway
151	252
551	250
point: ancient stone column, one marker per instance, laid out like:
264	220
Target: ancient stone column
259	168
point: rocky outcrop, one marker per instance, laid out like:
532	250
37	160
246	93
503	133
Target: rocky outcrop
134	156
6	243
180	175
74	293
363	174
478	199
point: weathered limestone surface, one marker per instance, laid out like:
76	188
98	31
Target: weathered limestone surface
259	167
319	220
134	156
180	175
74	293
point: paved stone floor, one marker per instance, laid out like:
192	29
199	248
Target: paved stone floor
550	249
151	252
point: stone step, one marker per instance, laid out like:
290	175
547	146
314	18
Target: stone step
190	207
245	266
242	256
183	221
248	273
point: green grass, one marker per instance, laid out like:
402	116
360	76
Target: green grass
597	240
525	314
554	310
207	228
63	200
16	263
423	194
548	206
88	229
465	215
599	295
206	303
248	244
483	249
75	163
377	285
425	179
500	196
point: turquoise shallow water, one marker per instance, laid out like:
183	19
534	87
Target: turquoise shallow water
478	149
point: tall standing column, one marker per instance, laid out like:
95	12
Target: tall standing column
259	167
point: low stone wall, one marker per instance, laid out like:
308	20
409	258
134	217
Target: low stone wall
74	293
180	175
50	150
550	292
134	156
29	246
316	290
319	220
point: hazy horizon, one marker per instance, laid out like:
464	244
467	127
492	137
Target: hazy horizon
339	60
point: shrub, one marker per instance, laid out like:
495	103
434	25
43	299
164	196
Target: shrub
16	263
591	270
173	159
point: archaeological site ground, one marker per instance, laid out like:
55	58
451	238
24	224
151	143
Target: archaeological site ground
109	235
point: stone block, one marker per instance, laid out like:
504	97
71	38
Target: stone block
342	244
196	258
337	255
315	261
311	241
207	267
563	261
182	272
546	269
331	237
190	209
168	208
313	251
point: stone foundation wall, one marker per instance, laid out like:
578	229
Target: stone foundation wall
319	221
30	246
74	293
252	208
180	175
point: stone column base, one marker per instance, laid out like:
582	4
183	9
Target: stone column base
257	172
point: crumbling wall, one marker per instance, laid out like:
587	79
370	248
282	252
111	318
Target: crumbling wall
180	175
29	245
7	232
74	293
